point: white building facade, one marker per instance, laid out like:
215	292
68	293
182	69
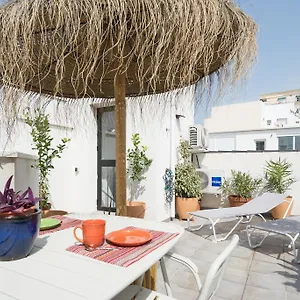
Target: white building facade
272	123
83	179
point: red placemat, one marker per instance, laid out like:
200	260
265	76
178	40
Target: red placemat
124	256
66	223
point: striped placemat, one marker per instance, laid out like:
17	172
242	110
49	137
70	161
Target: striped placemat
124	256
66	223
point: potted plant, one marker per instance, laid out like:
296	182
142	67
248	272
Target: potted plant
278	179
240	187
42	140
19	222
187	184
138	164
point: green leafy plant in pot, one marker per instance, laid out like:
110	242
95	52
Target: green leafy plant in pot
138	164
19	222
240	188
278	179
42	141
187	184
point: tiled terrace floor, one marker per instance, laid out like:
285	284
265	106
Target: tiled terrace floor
262	274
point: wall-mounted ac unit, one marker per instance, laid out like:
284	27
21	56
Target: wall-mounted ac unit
211	180
198	137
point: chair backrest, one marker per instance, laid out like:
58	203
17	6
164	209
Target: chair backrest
216	271
262	203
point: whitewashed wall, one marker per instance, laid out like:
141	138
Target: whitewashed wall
252	162
245	140
157	124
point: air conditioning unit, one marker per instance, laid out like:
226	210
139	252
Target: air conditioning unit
211	180
198	137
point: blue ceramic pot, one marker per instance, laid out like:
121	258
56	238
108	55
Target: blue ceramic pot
18	234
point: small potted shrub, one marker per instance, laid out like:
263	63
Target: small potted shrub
187	184
240	187
138	164
19	222
42	141
278	179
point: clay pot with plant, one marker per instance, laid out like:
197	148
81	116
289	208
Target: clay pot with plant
42	141
240	188
138	164
19	222
278	179
187	184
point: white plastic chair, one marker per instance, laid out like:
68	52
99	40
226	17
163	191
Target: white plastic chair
206	291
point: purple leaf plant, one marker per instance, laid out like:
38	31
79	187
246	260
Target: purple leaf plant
15	202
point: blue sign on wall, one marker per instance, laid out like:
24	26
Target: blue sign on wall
216	181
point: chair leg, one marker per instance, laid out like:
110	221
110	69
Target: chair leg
165	277
293	244
249	237
229	233
197	228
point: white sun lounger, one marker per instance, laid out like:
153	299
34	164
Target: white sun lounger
244	213
289	227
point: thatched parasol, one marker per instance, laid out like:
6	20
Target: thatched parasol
117	48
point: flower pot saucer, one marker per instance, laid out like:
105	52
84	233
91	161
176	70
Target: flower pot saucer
49	223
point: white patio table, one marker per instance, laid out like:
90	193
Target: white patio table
52	273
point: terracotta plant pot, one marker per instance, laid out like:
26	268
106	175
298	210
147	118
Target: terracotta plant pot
237	200
52	212
185	205
136	209
279	211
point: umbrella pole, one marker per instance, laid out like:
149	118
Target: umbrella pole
120	115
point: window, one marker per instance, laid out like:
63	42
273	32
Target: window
281	98
260	145
297	142
282	121
298	97
269	122
285	143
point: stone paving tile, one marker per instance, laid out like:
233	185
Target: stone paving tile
230	290
267	281
268	272
239	263
184	279
257	293
291	296
266	267
236	275
180	293
204	255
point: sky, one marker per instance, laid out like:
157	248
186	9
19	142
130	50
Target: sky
278	63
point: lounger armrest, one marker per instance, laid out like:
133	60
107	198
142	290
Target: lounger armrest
188	263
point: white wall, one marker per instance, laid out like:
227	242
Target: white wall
246	116
245	140
276	111
254	163
155	121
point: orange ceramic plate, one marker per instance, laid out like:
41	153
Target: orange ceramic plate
129	237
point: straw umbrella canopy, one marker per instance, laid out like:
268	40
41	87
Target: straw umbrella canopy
118	48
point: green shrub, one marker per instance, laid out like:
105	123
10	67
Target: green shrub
187	180
241	184
278	176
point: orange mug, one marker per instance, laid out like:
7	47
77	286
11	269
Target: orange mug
93	232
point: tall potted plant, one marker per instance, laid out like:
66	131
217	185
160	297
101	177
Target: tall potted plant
240	187
187	184
42	141
278	179
138	164
19	222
